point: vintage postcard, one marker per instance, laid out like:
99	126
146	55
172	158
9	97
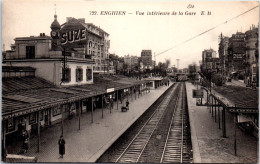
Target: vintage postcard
130	81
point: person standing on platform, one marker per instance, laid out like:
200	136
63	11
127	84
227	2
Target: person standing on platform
25	139
112	102
61	146
25	135
26	145
127	104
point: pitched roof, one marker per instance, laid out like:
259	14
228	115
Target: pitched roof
14	84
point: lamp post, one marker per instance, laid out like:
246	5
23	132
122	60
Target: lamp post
64	65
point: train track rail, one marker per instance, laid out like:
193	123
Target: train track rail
176	148
134	150
162	136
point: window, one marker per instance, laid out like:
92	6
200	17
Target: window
66	74
30	52
56	111
90	44
89	74
79	74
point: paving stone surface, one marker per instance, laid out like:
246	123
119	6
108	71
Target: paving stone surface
208	144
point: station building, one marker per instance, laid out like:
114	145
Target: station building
48	79
45	54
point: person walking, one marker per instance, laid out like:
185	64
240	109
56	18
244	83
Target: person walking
61	146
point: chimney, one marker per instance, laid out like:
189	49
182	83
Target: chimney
40	34
43	34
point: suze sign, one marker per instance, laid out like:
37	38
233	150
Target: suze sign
73	36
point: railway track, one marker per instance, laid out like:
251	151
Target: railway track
162	137
134	150
176	147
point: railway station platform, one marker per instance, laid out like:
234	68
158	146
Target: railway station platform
208	144
93	139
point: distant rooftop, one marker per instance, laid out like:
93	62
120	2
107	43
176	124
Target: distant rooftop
82	22
41	37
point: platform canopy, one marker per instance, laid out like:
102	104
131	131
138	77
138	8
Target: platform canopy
29	94
237	99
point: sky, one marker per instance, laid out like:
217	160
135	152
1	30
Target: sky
131	33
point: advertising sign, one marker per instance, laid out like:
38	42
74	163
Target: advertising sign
197	93
73	36
110	90
243	118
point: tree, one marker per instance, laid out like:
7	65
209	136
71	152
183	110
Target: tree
217	79
192	70
162	68
167	63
